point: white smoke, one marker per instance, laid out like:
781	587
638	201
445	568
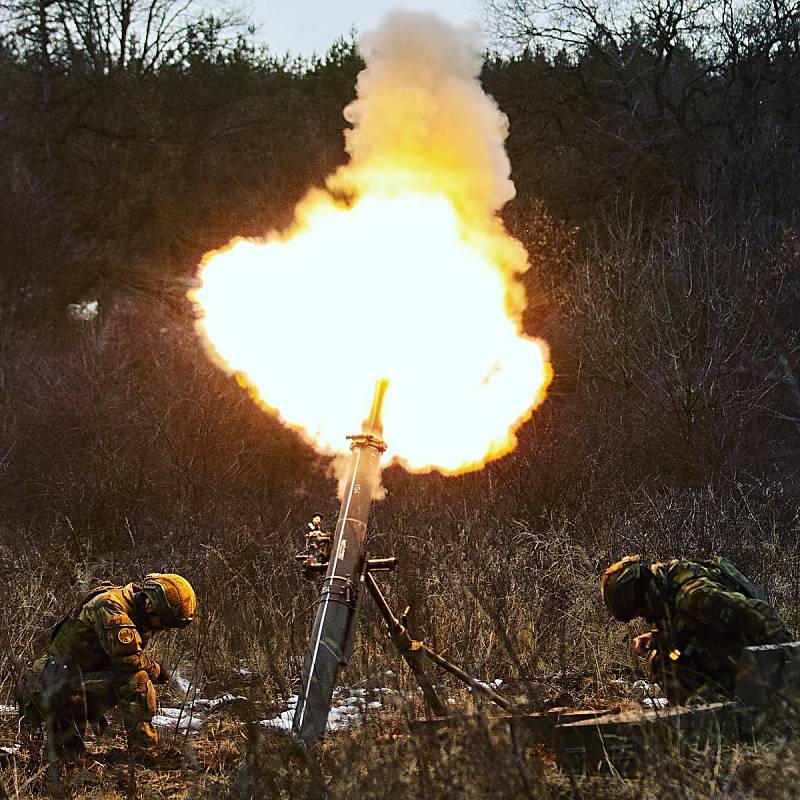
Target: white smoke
339	470
420	105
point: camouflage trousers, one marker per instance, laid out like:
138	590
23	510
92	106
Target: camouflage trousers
64	701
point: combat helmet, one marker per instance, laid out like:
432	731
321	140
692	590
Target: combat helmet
622	588
173	598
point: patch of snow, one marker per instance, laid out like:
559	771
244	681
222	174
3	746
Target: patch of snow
85	311
10	751
175	713
649	694
353	701
341	718
181	723
345	714
216	702
181	684
4	709
283	722
187	716
495	684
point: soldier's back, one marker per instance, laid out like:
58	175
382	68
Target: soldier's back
76	638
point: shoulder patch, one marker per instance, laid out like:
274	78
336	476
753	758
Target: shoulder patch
126	635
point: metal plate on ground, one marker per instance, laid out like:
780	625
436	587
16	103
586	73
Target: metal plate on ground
618	742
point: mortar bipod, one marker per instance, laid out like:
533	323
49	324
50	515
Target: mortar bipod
415	652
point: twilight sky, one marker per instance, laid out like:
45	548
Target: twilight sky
307	26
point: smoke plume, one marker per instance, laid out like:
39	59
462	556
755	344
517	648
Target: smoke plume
420	107
421	120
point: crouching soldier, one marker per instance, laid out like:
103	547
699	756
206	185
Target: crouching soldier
96	660
703	614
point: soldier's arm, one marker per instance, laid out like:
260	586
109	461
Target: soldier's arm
121	641
724	611
644	643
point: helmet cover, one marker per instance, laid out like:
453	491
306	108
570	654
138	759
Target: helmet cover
172	597
621	588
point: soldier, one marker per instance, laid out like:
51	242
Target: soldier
95	660
703	614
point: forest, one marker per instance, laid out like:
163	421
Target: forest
655	151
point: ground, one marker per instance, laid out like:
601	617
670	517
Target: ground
234	755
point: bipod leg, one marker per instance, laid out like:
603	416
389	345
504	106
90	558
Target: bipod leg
413	650
409	648
465	677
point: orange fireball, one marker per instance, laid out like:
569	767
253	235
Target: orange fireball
413	279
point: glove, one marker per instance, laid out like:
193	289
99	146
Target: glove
643	644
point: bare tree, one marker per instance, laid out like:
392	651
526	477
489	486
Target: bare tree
32	22
563	23
576	23
136	35
105	36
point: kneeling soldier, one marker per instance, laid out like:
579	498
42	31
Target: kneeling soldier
704	613
95	660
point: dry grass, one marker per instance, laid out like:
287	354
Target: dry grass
531	616
230	759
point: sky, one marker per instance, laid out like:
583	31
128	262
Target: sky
303	27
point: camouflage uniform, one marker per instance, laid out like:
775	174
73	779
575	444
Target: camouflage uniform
95	660
704	614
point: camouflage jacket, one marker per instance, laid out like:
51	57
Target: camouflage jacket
707	614
105	631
